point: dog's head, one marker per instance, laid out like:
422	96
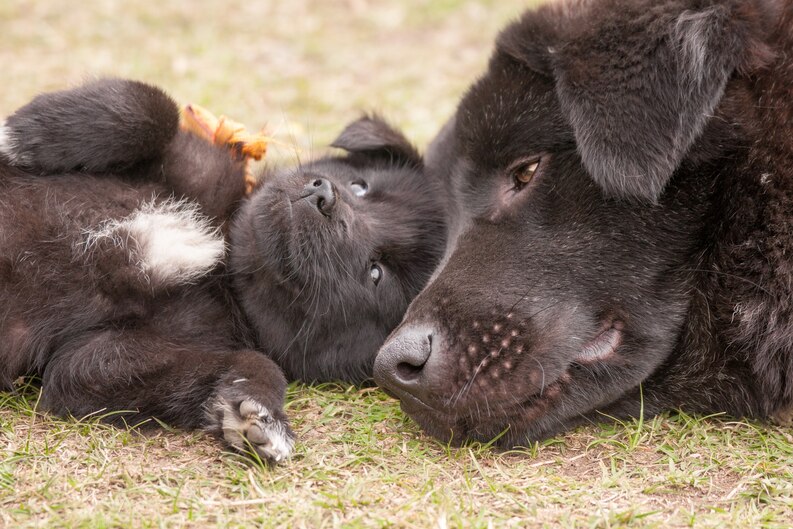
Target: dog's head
583	162
327	256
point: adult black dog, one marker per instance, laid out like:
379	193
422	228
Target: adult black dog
625	234
114	286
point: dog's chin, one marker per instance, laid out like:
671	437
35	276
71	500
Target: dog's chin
506	429
500	430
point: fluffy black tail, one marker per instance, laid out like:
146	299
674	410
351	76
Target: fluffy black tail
103	126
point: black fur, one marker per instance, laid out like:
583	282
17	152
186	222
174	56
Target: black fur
115	290
649	258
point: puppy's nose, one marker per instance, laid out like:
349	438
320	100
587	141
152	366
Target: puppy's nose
321	194
400	365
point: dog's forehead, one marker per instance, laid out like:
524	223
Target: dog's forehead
510	113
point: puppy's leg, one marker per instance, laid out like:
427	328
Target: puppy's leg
211	175
132	375
102	126
117	126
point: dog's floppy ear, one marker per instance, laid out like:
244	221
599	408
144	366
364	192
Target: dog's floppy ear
639	88
373	138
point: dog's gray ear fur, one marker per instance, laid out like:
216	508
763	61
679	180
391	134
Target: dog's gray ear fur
372	137
639	89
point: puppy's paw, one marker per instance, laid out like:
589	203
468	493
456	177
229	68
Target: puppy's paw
248	425
105	125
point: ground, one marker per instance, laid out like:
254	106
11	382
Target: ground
304	68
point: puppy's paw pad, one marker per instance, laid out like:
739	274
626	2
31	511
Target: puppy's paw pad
251	426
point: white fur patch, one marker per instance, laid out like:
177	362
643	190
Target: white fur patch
172	242
7	143
252	426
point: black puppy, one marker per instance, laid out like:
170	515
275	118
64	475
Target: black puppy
114	283
625	179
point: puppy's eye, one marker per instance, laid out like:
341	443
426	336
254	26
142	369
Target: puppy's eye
376	273
523	173
359	189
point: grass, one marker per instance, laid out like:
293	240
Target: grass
361	463
305	68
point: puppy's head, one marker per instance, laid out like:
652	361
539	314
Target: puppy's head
327	256
583	163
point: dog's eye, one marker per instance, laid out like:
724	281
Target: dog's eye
524	173
359	189
376	273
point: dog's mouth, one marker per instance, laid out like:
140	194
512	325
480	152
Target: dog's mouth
509	421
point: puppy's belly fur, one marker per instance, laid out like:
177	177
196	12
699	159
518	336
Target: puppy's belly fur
171	242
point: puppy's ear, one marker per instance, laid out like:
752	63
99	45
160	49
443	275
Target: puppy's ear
638	83
373	138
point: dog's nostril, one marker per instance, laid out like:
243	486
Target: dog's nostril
403	364
317	183
408	372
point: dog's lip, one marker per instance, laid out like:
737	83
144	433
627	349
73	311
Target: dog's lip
603	345
406	400
424	414
409	401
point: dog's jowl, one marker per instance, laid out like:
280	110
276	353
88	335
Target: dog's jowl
624	179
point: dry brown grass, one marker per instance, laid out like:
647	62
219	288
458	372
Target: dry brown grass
360	463
305	68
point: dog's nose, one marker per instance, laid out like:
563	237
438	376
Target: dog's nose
400	365
321	194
